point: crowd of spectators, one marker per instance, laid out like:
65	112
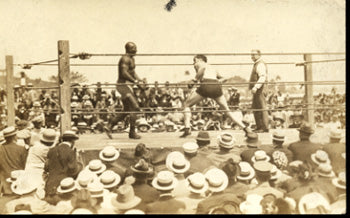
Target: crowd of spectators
92	105
41	172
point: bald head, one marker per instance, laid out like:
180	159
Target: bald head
130	48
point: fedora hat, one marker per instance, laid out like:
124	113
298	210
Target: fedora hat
109	153
306	128
340	181
246	171
97	189
15	174
203	136
226	140
69	135
325	170
335	134
164	181
177	162
9	131
197	183
217	179
66	185
96	166
310	201
260	155
48	135
142	167
319	157
126	198
252	140
109	179
251	205
275	173
84	178
278	136
190	147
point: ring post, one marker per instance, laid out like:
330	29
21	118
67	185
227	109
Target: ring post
309	88
10	91
64	85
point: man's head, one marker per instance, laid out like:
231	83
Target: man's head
199	60
255	54
130	48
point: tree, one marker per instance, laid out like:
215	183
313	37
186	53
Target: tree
75	77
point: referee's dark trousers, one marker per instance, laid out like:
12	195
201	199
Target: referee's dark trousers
261	117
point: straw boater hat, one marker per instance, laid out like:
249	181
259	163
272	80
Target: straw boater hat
246	171
260	155
177	162
48	135
9	131
85	177
142	168
109	153
335	134
217	179
23	184
275	173
325	170
97	190
70	135
278	136
197	183
226	140
74	104
126	198
262	167
109	179
190	147
253	140
319	157
15	174
164	181
66	185
96	166
251	205
340	181
311	201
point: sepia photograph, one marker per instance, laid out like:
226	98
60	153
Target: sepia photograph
173	107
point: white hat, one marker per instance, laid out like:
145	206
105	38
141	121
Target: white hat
177	162
190	147
96	166
23	184
165	180
126	198
252	204
226	140
66	185
340	181
197	183
260	155
81	211
96	189
84	178
217	179
335	134
311	201
246	171
319	157
48	135
109	153
325	170
134	211
109	179
275	173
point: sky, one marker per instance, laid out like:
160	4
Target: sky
30	31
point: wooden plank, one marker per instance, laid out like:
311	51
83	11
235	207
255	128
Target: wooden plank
309	88
64	85
10	92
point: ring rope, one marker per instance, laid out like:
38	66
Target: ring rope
215	54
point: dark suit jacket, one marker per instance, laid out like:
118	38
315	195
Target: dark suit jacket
247	155
12	157
302	150
166	204
334	151
215	200
147	193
